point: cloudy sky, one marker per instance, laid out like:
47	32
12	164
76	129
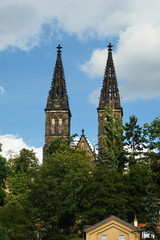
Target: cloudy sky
30	30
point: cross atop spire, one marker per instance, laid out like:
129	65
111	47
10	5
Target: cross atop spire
110	47
59	48
82	132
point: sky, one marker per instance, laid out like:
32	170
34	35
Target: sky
30	31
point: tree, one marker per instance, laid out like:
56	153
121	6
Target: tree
16	213
105	195
15	217
25	162
152	208
4	172
58	189
137	179
152	135
5	234
134	139
112	153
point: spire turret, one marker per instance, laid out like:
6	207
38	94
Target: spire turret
110	93
58	98
57	110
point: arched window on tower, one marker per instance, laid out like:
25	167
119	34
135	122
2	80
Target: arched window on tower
60	125
53	126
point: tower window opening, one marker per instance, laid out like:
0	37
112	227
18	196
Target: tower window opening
60	125
53	126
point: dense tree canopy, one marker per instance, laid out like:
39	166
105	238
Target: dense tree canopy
58	189
67	191
16	214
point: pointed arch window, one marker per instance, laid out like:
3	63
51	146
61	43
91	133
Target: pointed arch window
60	125
53	126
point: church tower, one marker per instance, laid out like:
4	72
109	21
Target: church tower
57	110
109	95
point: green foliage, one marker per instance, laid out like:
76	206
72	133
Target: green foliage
104	196
14	216
58	145
152	209
25	162
75	238
137	180
5	234
16	212
112	154
134	139
4	172
152	133
58	189
56	199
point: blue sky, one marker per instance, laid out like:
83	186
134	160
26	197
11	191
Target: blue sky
30	32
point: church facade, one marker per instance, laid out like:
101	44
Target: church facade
57	111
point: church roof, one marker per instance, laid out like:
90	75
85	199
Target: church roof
84	145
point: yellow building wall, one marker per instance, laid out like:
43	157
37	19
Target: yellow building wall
112	230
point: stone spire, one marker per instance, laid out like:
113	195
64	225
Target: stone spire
57	110
110	93
58	98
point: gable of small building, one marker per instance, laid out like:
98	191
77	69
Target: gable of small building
112	228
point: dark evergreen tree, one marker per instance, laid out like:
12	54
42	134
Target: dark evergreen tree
134	140
104	196
152	209
137	179
152	135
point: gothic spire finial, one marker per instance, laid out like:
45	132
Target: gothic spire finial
110	47
82	132
59	48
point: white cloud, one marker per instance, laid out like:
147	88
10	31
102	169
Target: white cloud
11	145
95	66
22	22
137	62
136	24
2	90
94	96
